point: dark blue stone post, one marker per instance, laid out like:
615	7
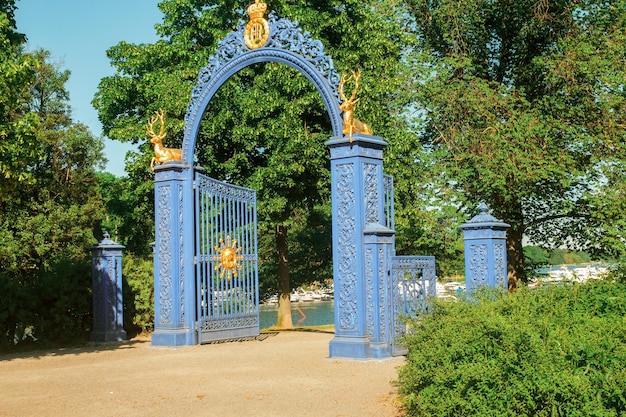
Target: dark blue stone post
485	251
108	308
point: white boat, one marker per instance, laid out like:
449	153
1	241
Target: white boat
580	274
294	298
306	297
454	286
326	297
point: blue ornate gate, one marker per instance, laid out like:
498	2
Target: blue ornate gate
205	250
227	295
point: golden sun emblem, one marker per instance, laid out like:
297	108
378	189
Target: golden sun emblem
228	258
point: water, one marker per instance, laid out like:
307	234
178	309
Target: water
596	266
317	313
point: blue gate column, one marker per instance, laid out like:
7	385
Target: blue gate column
108	307
174	288
485	251
357	200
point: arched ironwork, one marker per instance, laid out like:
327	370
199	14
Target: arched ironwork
287	44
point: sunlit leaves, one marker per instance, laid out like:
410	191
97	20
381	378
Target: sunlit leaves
18	144
524	109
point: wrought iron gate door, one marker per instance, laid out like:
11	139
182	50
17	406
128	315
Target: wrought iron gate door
414	282
227	291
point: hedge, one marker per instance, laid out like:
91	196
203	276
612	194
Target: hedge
559	350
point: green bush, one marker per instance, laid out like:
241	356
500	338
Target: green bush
138	291
64	300
51	306
554	351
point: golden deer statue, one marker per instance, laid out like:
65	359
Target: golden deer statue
350	123
161	153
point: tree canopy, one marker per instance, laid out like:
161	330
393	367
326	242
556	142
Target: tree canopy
18	125
49	205
518	104
524	108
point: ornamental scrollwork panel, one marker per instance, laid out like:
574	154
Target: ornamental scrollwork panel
165	254
500	265
478	265
371	193
346	247
284	35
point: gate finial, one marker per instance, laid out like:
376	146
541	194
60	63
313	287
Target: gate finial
161	153
350	123
257	30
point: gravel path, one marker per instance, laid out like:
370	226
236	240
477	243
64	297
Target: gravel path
286	374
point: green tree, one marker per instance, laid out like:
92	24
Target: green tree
126	218
18	125
265	128
47	224
536	257
524	108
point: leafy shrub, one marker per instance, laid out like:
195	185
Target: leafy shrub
138	291
52	306
554	351
64	299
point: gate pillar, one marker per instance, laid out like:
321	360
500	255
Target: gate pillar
485	252
357	200
174	288
108	306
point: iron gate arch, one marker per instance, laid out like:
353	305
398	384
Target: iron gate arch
288	45
231	57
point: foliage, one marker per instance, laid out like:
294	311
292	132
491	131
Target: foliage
47	223
50	307
126	216
536	257
554	351
437	234
522	106
64	302
138	293
18	143
566	257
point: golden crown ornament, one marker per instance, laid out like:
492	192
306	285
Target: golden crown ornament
257	30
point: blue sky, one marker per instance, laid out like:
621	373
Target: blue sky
77	33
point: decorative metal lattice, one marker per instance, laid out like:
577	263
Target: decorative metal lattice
414	283
226	261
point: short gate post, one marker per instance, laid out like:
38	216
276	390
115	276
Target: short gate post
485	251
106	275
378	241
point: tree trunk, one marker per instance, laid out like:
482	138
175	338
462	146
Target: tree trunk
516	266
515	258
284	320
